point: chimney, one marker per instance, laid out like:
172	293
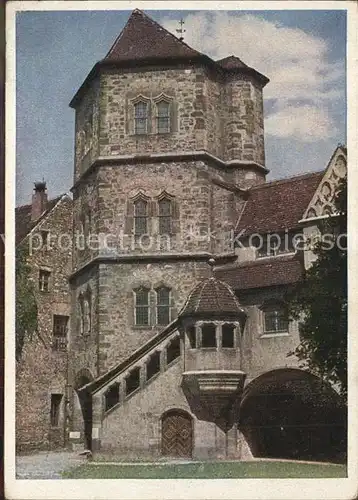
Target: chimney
39	200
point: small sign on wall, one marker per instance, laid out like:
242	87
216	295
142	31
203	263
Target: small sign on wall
75	435
95	433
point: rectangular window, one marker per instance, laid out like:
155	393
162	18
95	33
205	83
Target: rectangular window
228	340
191	332
272	245
44	280
140	217
142	307
275	321
55	409
163	117
163	306
44	239
140	118
208	335
60	324
165	216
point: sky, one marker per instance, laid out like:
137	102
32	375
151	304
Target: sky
303	53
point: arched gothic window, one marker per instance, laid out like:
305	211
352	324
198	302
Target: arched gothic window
141	118
140	217
163	117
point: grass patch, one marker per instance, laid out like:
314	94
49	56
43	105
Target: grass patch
208	470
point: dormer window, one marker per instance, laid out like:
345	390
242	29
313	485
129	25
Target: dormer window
140	118
271	245
163	117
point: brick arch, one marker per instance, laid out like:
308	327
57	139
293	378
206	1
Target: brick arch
291	413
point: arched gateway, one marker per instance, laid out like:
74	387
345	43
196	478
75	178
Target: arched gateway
290	413
85	399
177	434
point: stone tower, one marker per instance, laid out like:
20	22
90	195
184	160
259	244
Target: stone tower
167	140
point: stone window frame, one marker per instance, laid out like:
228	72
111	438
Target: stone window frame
276	305
163	98
129	227
44	279
159	287
59	338
132	118
175	338
175	215
148	306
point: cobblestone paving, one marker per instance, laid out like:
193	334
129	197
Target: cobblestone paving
46	465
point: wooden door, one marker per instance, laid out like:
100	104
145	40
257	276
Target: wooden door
177	434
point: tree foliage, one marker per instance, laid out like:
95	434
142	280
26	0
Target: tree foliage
319	302
26	305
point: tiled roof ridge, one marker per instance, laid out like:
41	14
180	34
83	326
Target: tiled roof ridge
285	180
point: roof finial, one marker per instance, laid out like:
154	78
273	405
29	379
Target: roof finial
211	263
181	30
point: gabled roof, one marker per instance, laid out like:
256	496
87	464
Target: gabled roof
231	62
278	205
262	273
144	38
211	297
23	222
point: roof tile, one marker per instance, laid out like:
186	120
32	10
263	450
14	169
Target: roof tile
278	205
262	273
144	38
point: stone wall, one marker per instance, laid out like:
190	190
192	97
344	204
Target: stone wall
222	115
42	370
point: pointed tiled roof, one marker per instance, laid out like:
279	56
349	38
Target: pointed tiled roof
143	38
144	41
212	297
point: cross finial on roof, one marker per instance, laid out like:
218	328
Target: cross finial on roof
181	30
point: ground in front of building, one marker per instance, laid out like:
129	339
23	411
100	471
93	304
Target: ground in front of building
207	470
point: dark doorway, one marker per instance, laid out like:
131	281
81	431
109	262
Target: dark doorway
177	434
85	399
292	414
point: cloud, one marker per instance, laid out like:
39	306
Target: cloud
296	62
304	123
